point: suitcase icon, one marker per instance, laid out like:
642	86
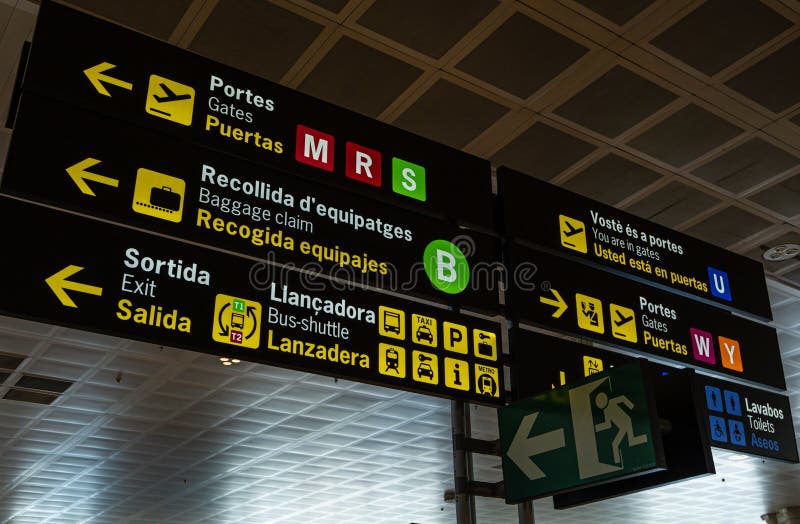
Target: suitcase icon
158	195
164	198
485	350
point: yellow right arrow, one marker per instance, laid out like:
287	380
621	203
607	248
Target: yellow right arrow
96	76
558	302
59	284
80	174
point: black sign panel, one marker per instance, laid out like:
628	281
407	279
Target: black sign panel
102	67
748	420
129	175
541	362
65	269
557	219
577	299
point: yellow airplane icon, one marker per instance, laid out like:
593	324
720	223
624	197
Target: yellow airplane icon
573	233
623	325
170	100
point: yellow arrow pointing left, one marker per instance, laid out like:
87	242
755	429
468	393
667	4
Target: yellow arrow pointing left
96	76
59	284
80	174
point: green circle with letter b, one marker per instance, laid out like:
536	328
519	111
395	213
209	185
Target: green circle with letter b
446	266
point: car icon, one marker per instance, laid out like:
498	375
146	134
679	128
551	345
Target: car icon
424	333
425	370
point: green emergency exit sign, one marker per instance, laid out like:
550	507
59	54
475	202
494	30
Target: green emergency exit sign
596	430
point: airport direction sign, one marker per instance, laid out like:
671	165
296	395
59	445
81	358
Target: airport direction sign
748	420
580	300
98	66
573	225
65	269
595	430
130	175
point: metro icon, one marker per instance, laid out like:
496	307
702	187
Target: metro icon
317	148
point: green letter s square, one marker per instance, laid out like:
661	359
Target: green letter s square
408	179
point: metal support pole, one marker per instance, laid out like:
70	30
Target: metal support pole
525	512
465	506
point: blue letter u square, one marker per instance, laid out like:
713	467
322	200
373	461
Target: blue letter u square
719	284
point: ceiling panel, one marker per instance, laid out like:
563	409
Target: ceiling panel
591	181
547	53
615	102
792	277
795	119
331	5
154	17
783	198
773	82
746	165
450	114
542	151
431	28
256	36
359	77
787	315
718	33
673	204
685	135
618	12
728	227
17	345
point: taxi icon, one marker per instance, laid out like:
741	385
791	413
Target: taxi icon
424	333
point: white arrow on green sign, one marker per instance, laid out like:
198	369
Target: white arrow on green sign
599	429
524	447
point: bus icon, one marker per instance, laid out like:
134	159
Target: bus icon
391	321
237	320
